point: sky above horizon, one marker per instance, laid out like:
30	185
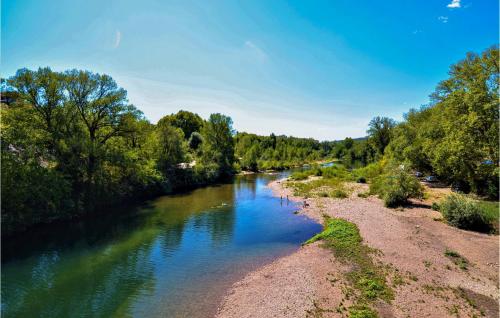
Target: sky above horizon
318	69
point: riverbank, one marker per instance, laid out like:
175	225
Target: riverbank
414	248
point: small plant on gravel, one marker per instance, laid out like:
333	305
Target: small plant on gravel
457	259
339	194
464	213
362	312
363	194
435	206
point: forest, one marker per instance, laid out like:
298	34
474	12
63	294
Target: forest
72	144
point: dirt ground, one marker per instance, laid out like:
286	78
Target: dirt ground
411	246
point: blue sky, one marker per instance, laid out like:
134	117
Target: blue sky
317	69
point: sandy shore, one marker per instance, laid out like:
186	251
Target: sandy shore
310	283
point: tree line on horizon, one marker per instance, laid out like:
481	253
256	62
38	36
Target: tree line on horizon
71	143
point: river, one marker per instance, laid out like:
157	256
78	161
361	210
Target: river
174	256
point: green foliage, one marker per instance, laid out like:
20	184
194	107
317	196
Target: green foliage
379	132
343	238
370	171
326	187
277	152
362	312
396	186
218	145
301	175
490	209
361	180
464	213
170	148
337	171
456	136
188	122
435	206
71	144
195	141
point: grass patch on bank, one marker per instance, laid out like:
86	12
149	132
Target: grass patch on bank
457	259
368	279
324	187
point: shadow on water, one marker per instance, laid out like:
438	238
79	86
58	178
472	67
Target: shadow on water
172	256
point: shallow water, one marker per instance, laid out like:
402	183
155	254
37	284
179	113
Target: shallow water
174	256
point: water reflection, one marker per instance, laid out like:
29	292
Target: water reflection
172	256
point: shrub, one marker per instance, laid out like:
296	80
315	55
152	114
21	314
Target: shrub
395	187
435	206
336	171
464	213
301	175
339	194
371	171
361	180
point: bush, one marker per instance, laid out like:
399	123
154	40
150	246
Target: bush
396	187
464	213
336	171
301	175
435	206
361	180
371	171
339	194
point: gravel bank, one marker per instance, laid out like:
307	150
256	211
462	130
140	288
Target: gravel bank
309	283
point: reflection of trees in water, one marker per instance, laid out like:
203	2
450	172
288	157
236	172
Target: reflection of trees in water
219	223
246	185
98	282
99	267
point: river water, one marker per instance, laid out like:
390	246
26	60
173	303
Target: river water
174	256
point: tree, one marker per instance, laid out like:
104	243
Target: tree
379	132
218	146
188	122
456	136
44	91
171	147
102	107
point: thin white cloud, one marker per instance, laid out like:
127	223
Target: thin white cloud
454	4
118	39
417	31
256	50
443	19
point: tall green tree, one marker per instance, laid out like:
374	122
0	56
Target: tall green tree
188	122
456	136
218	145
379	132
102	107
44	91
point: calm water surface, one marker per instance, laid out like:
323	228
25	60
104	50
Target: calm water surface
172	257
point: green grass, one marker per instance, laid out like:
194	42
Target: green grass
368	279
490	210
323	187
